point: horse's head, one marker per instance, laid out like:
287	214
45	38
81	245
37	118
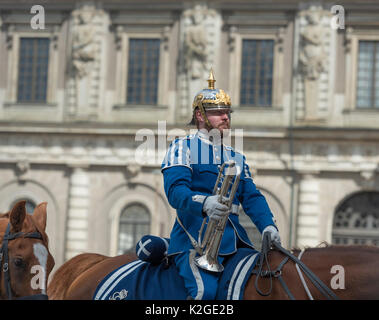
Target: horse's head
25	258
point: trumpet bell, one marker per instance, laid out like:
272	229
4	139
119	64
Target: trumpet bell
203	262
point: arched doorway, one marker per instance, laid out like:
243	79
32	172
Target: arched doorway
356	220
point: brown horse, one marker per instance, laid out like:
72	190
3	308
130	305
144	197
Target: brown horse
351	272
25	258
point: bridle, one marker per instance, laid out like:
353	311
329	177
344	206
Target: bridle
267	243
4	261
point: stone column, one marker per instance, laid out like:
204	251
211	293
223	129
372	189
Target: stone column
308	210
77	219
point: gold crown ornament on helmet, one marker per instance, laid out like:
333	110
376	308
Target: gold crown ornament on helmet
210	99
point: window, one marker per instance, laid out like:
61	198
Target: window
257	72
356	221
143	71
368	75
33	70
134	223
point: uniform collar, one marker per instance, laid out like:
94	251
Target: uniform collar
213	140
209	138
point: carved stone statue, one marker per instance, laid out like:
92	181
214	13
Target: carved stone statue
89	26
200	36
196	44
83	51
312	56
312	59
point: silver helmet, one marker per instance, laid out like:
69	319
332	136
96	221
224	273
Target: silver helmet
210	99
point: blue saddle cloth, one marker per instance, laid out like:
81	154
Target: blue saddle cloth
141	280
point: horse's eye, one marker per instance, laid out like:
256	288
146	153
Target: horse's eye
18	262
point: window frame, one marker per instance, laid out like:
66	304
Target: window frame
256	95
123	211
145	80
352	68
277	74
13	68
122	59
34	74
115	214
373	81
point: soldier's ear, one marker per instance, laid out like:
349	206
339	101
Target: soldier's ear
198	116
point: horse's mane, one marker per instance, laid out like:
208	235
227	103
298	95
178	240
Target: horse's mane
322	244
337	247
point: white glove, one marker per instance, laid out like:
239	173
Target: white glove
215	209
273	233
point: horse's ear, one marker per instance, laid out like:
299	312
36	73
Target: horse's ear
17	216
39	214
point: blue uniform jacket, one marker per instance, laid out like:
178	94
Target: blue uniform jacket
190	170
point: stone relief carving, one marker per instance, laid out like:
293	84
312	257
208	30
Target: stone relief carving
280	38
9	36
22	167
88	28
347	39
368	177
166	36
195	50
83	38
200	37
232	35
312	55
313	58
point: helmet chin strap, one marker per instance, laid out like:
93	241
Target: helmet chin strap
208	125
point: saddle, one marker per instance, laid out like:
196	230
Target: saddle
155	277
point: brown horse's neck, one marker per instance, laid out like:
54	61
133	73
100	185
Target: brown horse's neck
351	271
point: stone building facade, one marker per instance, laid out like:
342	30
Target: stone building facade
85	86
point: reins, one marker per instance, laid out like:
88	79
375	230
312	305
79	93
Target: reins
277	273
4	260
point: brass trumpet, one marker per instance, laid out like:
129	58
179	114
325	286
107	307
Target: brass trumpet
210	245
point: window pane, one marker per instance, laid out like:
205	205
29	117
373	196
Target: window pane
32	69
256	72
143	71
134	223
368	75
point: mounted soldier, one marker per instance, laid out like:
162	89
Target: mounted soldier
191	169
198	171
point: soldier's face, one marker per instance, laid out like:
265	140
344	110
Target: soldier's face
219	119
